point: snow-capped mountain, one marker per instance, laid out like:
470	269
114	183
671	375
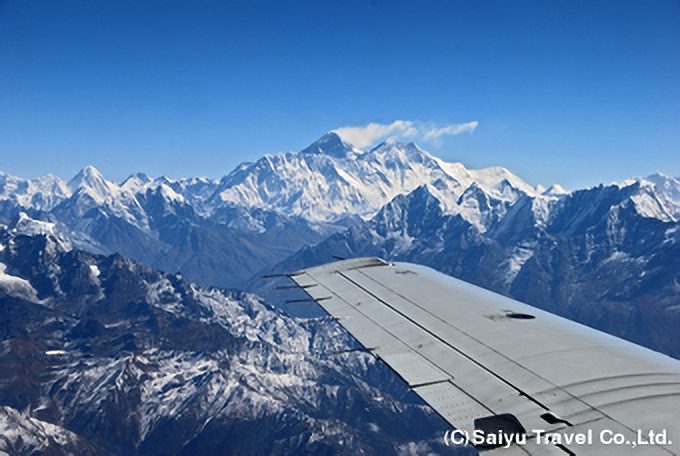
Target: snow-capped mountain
331	179
103	355
42	193
661	198
486	226
225	232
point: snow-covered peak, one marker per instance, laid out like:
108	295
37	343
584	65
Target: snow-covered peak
52	185
330	179
197	181
402	151
474	198
650	203
169	194
135	182
326	182
668	186
92	181
554	190
657	196
390	143
41	193
91	190
23	224
495	180
330	144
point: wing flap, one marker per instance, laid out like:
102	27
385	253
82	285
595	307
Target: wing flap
452	403
414	369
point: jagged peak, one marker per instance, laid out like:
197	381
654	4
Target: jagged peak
168	193
329	144
664	182
138	177
88	177
391	144
473	191
135	182
426	193
90	171
660	176
554	190
23	224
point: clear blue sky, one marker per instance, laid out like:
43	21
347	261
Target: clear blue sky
573	92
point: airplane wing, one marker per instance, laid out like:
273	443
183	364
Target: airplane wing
497	369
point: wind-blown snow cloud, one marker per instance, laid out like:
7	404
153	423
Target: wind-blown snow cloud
368	135
451	130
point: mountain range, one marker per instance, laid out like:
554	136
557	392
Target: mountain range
114	295
223	232
104	355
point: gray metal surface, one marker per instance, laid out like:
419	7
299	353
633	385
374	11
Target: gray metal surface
460	349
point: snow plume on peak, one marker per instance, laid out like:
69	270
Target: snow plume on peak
367	135
456	129
390	146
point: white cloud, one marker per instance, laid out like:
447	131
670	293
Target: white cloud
370	134
455	129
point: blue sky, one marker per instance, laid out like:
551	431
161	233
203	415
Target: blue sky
576	93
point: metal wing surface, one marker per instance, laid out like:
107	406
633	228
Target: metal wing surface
486	362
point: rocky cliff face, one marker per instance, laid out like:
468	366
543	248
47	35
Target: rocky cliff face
103	355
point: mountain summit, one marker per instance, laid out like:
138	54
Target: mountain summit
90	178
331	179
330	144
